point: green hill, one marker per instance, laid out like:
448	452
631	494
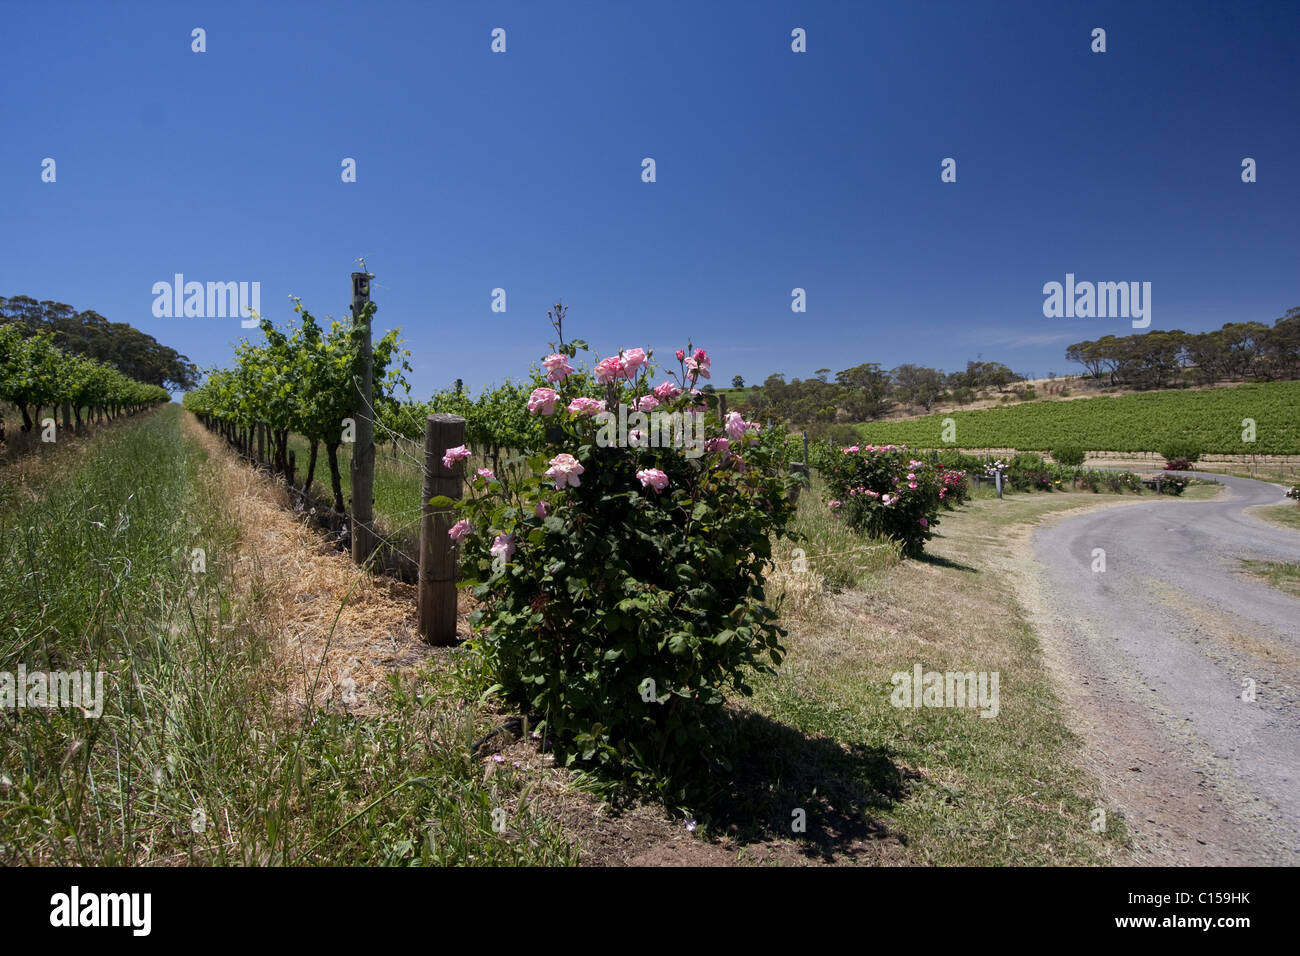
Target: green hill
1212	418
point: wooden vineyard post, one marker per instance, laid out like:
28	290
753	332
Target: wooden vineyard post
722	407
807	475
437	584
363	452
67	415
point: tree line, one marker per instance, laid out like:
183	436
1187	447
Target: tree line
135	354
35	374
867	391
1159	359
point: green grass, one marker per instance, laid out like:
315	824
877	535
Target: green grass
1139	422
953	787
1283	576
195	759
1287	515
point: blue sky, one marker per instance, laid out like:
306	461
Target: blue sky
775	170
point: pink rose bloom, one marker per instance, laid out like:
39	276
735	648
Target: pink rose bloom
543	400
833	504
924	523
681	354
653	478
459	530
667	391
557	367
888	500
633	359
453	455
911	484
853	450
564	471
717	444
911	476
486	473
698	364
540	509
647	403
503	548
609	370
586	406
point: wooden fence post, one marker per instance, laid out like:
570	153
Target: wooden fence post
363	451
437	583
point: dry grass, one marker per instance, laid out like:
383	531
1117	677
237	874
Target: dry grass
341	630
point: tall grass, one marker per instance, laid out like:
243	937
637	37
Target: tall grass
197	757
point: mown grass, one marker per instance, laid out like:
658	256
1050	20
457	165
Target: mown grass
197	757
1286	515
1279	574
953	787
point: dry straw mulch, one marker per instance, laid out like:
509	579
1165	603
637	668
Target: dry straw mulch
339	630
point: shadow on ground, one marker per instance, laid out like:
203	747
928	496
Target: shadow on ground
779	771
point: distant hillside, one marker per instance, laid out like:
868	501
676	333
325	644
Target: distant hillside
1212	418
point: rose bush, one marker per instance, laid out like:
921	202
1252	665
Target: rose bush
621	586
884	491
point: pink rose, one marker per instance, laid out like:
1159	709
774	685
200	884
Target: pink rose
853	449
647	403
486	473
540	509
453	455
557	367
564	471
681	354
717	444
735	426
667	391
698	364
543	400
503	548
609	370
925	523
459	530
586	406
653	478
633	359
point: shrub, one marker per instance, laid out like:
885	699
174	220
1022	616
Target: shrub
885	492
621	587
1071	456
1178	464
1294	493
1182	451
1173	486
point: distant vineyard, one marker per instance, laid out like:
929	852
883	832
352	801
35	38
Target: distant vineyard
37	374
1213	420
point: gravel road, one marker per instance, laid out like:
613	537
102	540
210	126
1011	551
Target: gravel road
1153	655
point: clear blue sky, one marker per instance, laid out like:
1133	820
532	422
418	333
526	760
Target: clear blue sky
775	170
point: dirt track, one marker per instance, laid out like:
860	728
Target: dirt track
1152	654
